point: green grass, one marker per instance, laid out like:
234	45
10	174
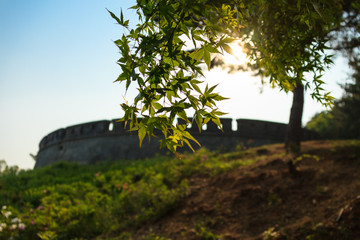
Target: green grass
109	200
71	201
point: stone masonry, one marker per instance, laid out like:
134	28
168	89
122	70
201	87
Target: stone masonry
109	140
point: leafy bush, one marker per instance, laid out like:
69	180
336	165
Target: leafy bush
69	201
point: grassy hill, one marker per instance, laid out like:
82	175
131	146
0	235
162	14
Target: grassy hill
247	194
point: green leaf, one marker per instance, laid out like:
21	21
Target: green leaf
141	133
182	115
212	49
195	86
121	20
188	143
170	95
316	8
227	48
197	37
114	17
218	113
199	120
217	122
207	58
121	77
121	16
212	88
189	136
220	98
157	105
227	40
197	54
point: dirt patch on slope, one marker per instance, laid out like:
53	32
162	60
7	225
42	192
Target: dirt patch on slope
263	201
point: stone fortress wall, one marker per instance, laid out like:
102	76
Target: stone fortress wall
109	140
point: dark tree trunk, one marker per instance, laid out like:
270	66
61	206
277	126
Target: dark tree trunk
294	130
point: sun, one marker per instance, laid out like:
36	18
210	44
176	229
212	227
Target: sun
238	57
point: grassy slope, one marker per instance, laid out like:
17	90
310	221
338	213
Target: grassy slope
239	195
262	201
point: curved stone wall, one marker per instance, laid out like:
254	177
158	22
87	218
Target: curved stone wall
110	140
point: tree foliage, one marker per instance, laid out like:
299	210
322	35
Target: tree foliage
7	170
343	120
284	40
324	124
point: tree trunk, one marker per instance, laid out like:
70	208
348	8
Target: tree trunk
294	130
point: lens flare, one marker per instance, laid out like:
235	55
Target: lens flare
238	57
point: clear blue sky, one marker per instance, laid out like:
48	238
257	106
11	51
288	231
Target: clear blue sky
57	67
